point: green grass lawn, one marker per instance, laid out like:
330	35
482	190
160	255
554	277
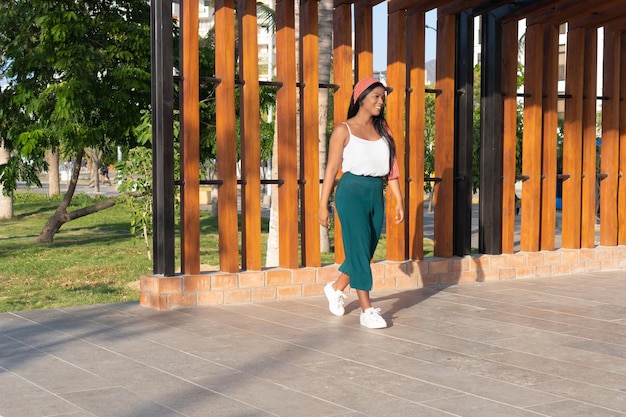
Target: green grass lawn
92	260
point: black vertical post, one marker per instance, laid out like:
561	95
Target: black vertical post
463	150
162	136
491	137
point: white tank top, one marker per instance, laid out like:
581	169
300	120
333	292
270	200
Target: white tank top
365	157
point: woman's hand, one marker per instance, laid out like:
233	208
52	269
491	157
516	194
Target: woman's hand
322	216
399	212
395	190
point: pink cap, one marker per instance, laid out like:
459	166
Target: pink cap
363	85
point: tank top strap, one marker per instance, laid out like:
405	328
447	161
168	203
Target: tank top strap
348	126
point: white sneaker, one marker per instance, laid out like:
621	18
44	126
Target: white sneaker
335	299
372	319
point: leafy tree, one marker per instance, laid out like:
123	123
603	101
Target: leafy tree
134	175
78	77
429	139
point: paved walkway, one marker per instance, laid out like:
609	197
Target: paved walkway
542	347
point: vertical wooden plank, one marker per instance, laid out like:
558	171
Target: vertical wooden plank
509	89
226	133
573	139
550	125
309	150
363	40
531	146
396	107
609	163
415	134
286	134
249	127
621	191
344	77
190	147
589	170
444	135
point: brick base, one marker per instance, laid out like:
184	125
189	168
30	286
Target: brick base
214	288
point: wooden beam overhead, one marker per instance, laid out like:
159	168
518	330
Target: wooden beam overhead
548	11
363	3
574	9
534	8
458	6
605	17
418	5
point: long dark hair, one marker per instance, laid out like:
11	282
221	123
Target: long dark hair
380	123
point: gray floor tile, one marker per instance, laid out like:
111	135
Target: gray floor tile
117	402
21	398
474	406
569	408
588	393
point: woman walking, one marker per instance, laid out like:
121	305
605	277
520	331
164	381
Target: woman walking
364	149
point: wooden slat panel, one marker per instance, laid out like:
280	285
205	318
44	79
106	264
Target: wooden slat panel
190	149
415	134
509	89
396	107
286	134
609	164
550	124
573	139
621	191
531	146
226	134
249	126
363	40
344	77
309	159
444	136
588	204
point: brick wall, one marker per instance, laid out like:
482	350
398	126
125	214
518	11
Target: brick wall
213	288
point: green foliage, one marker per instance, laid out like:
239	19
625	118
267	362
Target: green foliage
78	75
135	183
429	139
134	175
267	140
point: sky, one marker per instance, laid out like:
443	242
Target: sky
379	13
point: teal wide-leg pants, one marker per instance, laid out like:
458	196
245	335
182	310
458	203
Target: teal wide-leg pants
360	206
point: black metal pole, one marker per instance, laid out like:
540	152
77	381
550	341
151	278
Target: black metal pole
463	141
491	137
162	137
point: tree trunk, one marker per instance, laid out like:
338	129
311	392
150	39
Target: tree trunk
61	216
95	156
54	180
325	33
272	254
6	201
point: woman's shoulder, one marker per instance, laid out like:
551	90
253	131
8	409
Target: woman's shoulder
342	131
342	128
